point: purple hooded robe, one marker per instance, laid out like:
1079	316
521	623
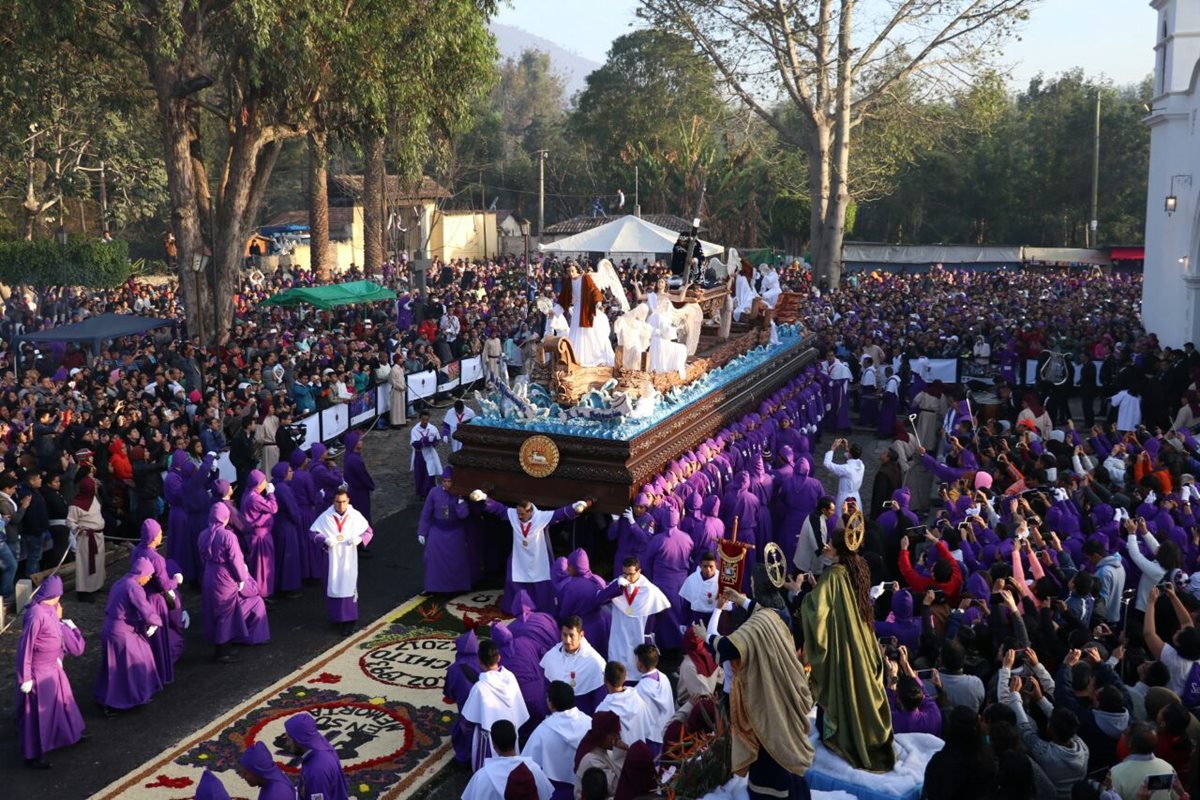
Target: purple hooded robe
285	532
358	480
258	510
47	715
127	676
231	614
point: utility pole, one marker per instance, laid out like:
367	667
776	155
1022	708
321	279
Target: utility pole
637	202
483	213
1094	225
541	154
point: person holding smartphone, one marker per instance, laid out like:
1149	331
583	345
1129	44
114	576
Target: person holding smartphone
1142	774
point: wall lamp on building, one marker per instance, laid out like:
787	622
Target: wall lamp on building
1173	199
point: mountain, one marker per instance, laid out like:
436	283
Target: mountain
574	68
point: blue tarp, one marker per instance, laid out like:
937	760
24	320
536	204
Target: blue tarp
95	330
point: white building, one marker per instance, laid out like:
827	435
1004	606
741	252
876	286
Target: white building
1171	295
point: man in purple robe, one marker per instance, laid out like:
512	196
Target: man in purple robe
179	547
285	532
127	676
196	501
47	716
325	475
320	771
258	510
710	531
442	529
258	768
798	496
668	562
210	787
314	561
579	596
233	610
460	677
740	504
632	530
164	594
537	626
358	480
520	656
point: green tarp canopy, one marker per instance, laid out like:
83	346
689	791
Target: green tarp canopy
333	295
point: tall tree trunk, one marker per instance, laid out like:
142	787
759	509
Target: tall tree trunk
318	203
177	136
372	200
834	228
818	190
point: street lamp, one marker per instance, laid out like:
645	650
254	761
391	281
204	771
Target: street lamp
61	235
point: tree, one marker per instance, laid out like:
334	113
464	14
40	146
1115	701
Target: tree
655	105
806	50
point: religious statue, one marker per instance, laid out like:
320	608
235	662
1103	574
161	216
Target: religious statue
841	649
581	300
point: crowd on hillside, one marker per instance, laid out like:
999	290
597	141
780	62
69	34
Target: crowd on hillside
1041	584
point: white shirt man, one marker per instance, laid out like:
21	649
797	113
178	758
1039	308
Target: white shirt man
655	689
454	418
495	696
812	541
700	590
341	529
849	475
576	663
553	742
628	705
637	600
507	774
429	437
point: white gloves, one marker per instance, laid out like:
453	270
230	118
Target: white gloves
153	629
421	538
58	661
876	592
580	506
171	594
187	620
628	515
178	576
70	624
241	585
270	488
27	687
211	455
1151	498
477	496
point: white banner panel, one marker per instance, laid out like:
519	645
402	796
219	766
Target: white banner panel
472	369
421	385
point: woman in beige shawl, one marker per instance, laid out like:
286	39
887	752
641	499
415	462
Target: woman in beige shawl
87	523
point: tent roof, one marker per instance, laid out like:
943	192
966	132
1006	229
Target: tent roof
584	222
98	328
333	295
628	234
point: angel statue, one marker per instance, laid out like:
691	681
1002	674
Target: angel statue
666	325
581	300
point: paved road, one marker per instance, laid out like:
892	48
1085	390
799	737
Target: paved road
202	690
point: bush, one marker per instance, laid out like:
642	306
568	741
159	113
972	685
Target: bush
93	264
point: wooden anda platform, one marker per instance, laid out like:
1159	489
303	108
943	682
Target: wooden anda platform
613	471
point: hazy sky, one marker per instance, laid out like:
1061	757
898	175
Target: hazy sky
1109	37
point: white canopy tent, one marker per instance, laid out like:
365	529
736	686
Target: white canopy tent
628	234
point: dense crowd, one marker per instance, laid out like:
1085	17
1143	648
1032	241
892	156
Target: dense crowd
1028	580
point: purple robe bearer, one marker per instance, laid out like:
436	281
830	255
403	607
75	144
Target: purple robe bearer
233	610
47	716
285	531
520	657
259	762
667	562
460	677
320	771
258	510
358	480
537	626
163	593
579	596
443	525
314	561
179	546
127	676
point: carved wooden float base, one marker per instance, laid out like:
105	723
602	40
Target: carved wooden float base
613	471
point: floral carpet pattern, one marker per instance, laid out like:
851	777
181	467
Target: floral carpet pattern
377	697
